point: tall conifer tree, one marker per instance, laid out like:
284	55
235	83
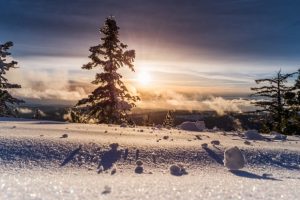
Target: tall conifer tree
111	101
7	101
274	103
293	101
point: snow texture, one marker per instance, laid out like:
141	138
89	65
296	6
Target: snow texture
36	163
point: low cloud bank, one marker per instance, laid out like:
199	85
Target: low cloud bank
25	110
56	85
172	100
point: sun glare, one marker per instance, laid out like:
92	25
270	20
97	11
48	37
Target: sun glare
144	78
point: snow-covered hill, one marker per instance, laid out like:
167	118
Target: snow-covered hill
53	160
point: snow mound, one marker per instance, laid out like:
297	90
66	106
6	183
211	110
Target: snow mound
278	136
253	135
234	159
193	126
123	125
215	129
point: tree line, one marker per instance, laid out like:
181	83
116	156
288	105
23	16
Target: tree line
278	101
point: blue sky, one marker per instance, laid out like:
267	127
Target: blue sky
211	46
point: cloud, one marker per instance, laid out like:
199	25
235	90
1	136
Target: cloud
42	84
188	101
221	105
58	84
25	110
265	28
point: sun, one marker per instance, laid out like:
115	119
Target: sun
144	77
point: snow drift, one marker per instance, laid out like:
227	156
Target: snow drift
193	126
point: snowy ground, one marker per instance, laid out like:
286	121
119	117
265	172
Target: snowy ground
37	163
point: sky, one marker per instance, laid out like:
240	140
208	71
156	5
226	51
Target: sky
187	50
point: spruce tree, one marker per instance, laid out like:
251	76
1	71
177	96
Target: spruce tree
293	100
274	103
293	97
7	101
169	120
297	93
111	101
